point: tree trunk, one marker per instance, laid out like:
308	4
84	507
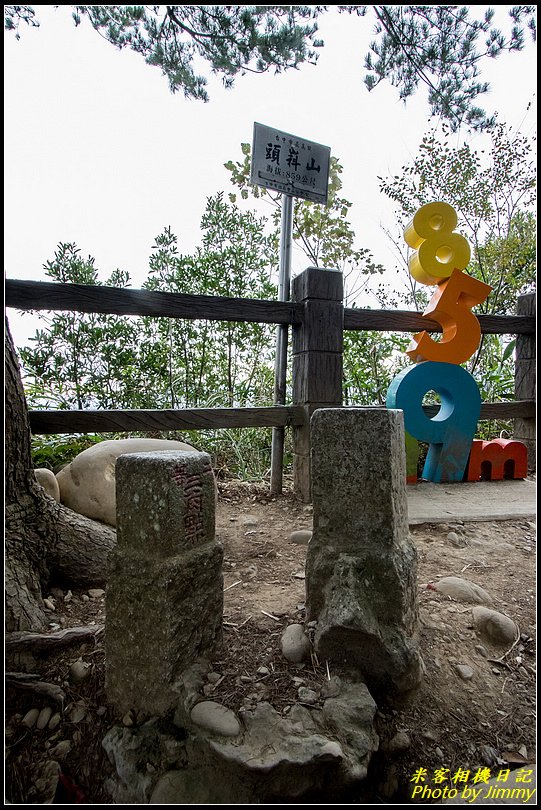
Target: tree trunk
45	543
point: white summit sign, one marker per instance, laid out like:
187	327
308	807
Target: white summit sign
289	164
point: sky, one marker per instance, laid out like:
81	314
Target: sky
100	153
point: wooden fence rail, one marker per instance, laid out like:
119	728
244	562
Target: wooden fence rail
318	320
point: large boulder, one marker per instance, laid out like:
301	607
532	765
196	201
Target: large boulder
87	484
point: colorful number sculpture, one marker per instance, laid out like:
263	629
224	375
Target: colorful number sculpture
438	250
451	307
451	431
496	460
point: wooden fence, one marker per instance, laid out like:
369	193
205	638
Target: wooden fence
318	319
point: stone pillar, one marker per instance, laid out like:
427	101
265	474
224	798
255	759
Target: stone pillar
164	597
317	346
525	378
361	565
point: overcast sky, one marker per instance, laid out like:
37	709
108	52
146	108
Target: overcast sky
100	153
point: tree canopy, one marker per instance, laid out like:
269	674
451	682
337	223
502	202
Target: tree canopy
441	47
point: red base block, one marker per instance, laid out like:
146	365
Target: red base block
496	460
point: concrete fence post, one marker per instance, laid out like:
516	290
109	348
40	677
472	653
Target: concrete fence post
525	378
317	359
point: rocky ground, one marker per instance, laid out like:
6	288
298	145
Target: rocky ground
475	708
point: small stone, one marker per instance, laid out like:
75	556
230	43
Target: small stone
85	597
400	742
464	671
490	756
128	720
496	671
47	782
54	722
428	734
61	750
455	540
213	677
68	597
439	753
246	679
263	672
301	537
482	650
100	711
77	713
79	671
44	717
96	593
295	644
30	718
216	718
48	604
463	591
208	689
307	696
497	627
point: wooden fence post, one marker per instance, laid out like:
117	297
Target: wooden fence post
525	378
317	346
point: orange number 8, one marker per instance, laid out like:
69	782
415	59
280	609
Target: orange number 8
438	251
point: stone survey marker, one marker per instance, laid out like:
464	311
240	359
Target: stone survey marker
165	588
361	564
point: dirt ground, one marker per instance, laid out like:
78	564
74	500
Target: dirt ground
485	721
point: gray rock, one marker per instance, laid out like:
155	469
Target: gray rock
296	761
30	718
464	671
307	696
456	540
295	644
399	743
46	782
55	721
44	717
215	718
130	751
463	591
77	713
351	717
87	484
61	749
197	785
79	671
47	479
331	688
495	626
301	537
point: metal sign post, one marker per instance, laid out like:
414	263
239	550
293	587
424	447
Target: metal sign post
297	168
280	361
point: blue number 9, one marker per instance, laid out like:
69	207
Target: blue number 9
451	431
